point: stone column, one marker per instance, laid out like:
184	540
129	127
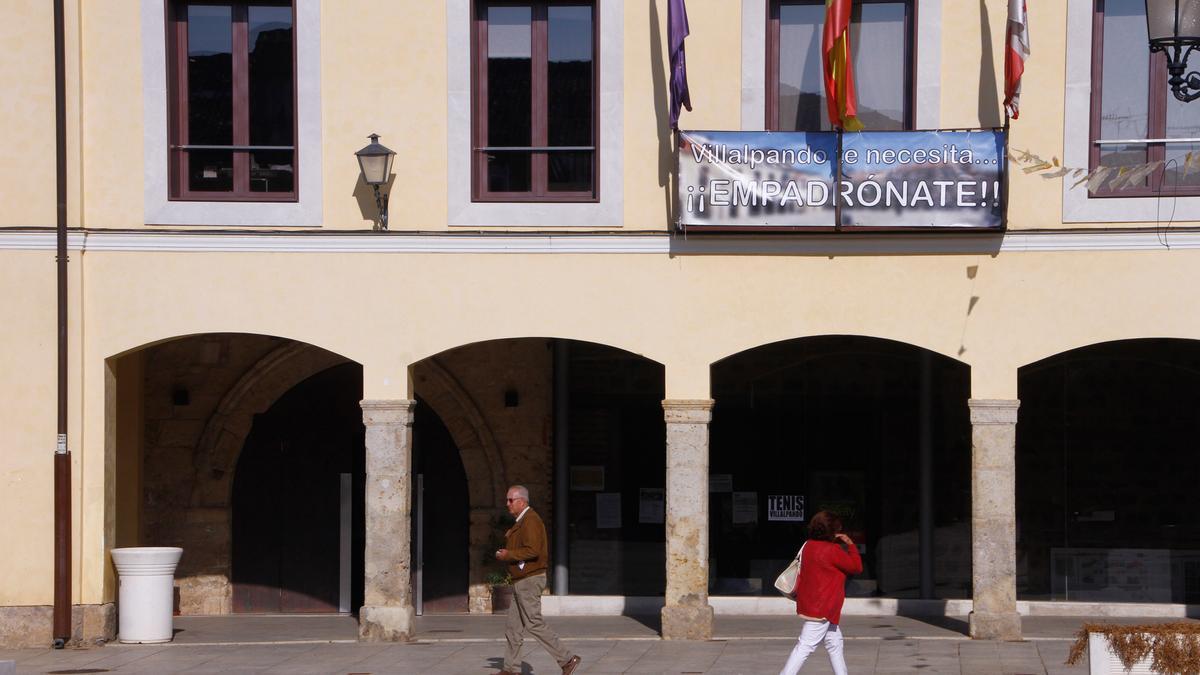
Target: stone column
687	614
387	614
480	538
993	519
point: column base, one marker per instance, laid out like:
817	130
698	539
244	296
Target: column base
687	622
386	624
992	626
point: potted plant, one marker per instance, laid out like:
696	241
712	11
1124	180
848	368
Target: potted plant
502	591
1163	648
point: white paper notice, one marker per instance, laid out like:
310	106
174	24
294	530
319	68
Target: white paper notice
720	482
651	503
608	510
745	508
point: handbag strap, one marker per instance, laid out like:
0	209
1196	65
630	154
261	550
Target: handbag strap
801	551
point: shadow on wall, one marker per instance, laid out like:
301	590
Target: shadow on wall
989	98
365	196
666	142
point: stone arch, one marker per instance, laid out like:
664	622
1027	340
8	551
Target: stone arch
225	433
861	337
1105	459
208	513
482	461
859	344
481	457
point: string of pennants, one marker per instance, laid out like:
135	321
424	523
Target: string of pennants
1116	178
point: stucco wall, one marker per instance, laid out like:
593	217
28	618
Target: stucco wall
403	97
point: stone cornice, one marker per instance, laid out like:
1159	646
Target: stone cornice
617	242
988	411
688	411
387	412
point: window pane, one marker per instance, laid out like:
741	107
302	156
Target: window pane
571	171
509	107
569	92
801	85
570	76
272	171
877	45
1183	121
210	170
270	61
508	171
1124	106
510	53
210	74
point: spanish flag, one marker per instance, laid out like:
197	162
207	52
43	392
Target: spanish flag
839	73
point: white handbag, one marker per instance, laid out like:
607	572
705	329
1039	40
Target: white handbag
786	581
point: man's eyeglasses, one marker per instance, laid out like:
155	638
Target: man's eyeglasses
511	499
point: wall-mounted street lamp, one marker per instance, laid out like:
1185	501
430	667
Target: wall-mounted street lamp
1174	27
375	162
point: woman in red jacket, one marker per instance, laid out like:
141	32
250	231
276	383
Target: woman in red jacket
828	557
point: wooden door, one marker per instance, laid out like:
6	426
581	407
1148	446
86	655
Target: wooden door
287	497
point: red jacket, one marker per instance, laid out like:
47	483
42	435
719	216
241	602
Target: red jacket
821	585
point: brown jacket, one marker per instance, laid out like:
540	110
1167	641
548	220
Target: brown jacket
526	542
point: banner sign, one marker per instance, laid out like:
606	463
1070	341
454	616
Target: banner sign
885	180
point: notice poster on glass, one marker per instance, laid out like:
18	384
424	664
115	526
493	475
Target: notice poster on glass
720	482
587	478
608	510
651	505
785	508
745	508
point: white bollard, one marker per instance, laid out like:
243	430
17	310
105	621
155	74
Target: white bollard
146	599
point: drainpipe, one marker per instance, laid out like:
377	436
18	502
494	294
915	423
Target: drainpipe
62	457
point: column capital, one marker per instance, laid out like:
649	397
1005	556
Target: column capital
994	411
387	412
688	411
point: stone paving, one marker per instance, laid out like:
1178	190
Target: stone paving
883	645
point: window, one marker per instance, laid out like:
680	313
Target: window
231	80
534	102
881	40
1132	105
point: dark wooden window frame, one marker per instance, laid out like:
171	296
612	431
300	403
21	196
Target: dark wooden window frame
772	44
1156	125
539	171
177	118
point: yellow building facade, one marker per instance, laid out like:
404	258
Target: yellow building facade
588	349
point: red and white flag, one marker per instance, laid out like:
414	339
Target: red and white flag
1016	51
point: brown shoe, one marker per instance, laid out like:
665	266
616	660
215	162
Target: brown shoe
570	666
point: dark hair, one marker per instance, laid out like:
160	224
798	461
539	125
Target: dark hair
823	526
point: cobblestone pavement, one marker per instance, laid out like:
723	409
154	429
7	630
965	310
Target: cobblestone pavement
881	645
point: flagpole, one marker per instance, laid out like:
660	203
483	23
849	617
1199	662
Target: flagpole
1004	176
837	184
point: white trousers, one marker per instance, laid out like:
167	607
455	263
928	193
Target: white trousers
810	636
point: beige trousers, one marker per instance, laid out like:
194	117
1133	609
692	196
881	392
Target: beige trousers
525	617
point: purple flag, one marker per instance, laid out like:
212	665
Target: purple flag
677	30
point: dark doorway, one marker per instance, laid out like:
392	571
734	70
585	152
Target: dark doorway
287	499
835	423
443	516
1106	474
617	459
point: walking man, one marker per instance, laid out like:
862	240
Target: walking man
527	557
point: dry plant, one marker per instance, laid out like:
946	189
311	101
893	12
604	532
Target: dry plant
1173	648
